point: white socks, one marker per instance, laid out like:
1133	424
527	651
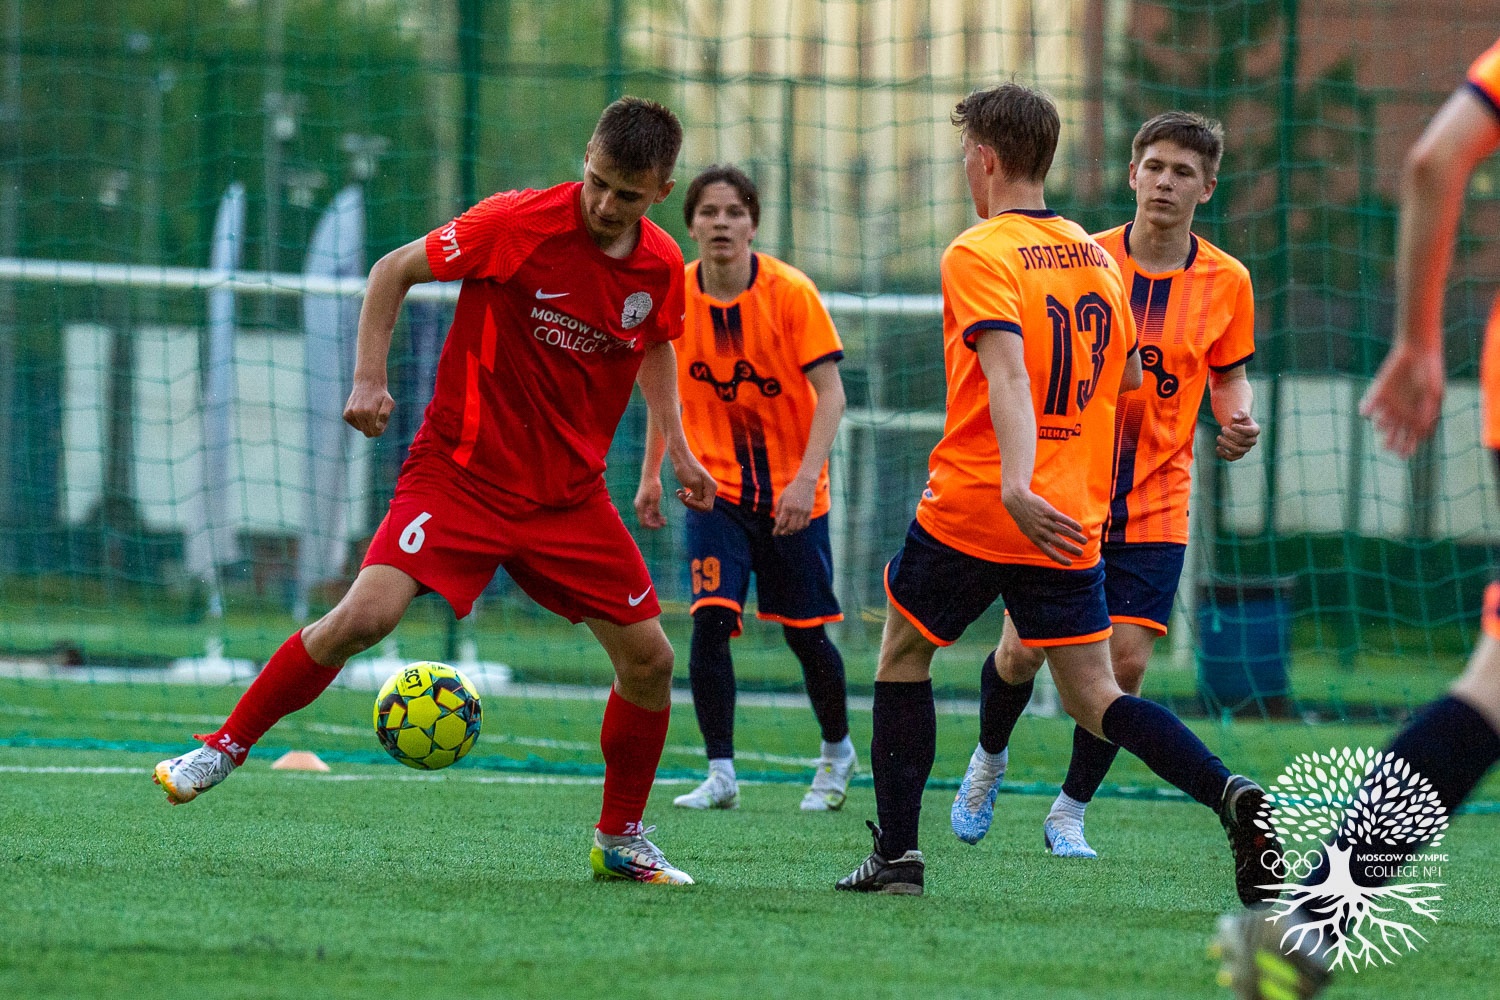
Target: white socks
992	763
1067	807
840	751
722	765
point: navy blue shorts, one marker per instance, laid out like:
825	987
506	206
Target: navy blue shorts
1140	582
793	573
941	591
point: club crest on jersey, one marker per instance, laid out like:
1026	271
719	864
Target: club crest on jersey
637	308
729	391
1153	362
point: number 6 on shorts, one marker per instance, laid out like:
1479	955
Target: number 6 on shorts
412	536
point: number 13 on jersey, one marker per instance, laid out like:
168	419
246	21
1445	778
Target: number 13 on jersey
1090	315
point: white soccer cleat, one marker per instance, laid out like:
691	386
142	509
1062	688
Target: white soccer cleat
830	785
1063	835
634	858
718	792
195	772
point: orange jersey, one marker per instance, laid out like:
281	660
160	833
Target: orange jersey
1035	275
1484	83
747	406
1200	316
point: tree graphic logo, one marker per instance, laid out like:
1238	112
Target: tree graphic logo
1352	822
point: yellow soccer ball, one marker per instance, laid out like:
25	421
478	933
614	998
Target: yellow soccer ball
427	715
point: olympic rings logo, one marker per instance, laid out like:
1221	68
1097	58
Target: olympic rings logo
1297	864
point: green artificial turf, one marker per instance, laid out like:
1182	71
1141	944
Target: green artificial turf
380	881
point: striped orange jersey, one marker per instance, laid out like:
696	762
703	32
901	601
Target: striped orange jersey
747	406
1035	275
1484	82
1200	316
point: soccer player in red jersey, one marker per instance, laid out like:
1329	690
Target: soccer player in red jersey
1038	343
570	297
761	401
1454	741
1195	314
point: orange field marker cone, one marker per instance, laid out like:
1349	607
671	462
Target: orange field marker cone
299	760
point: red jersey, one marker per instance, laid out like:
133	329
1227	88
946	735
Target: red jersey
1198	317
546	341
747	405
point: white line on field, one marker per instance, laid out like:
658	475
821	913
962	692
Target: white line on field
335	729
475	779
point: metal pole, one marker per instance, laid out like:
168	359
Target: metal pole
272	137
10	239
1354	499
788	168
1282	272
614	41
470	18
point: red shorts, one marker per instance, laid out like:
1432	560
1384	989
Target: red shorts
449	531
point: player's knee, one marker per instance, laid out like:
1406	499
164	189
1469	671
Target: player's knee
714	623
1018	664
650	662
806	642
656	665
1130	669
355	628
1085	705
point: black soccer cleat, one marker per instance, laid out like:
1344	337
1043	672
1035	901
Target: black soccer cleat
899	876
1255	848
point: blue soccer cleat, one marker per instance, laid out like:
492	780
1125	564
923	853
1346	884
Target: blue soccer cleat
1063	835
974	805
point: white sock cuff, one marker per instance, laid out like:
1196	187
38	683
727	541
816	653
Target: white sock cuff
993	760
842	750
1068	805
724	765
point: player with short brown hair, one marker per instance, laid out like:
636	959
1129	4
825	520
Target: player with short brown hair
570	298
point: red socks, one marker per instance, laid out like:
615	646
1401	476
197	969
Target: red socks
632	739
291	680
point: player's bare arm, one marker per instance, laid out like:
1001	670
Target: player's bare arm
1132	376
1407	394
794	506
658	382
1002	358
648	493
1231	397
369	407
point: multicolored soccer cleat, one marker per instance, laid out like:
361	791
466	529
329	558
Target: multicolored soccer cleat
195	772
634	858
1252	964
